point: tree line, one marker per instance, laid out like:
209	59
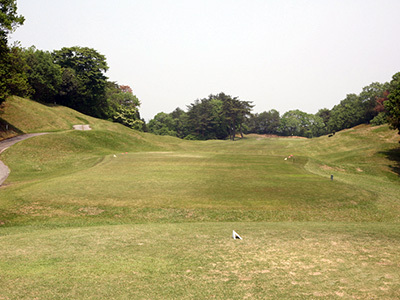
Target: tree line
72	76
75	77
209	118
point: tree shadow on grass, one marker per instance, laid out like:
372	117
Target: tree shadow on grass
394	156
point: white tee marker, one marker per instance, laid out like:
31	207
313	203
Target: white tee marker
236	236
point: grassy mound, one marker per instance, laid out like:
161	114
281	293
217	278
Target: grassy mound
29	116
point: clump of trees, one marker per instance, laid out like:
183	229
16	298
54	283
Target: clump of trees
72	76
75	77
216	117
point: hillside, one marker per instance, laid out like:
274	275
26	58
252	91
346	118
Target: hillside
116	213
206	179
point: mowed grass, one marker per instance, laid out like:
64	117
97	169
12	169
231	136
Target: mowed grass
117	214
202	261
29	116
184	186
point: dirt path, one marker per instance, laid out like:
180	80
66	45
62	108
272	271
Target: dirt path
4	170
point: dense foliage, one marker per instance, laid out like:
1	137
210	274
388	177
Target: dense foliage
210	118
393	103
12	79
216	117
75	77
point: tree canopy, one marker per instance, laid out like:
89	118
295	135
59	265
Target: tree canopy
9	19
84	87
393	103
12	78
215	117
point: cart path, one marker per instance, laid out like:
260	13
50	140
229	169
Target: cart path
4	170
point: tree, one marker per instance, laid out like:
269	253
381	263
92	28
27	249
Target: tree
296	122
203	118
369	96
89	93
10	74
129	117
235	113
15	77
123	106
267	122
44	76
350	112
393	103
180	122
162	124
9	20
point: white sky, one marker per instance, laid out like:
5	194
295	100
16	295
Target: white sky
280	54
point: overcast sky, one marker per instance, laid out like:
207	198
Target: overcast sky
279	54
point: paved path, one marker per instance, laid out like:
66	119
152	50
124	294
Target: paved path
4	170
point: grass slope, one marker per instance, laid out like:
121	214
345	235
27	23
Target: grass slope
29	116
114	213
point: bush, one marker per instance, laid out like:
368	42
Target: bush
380	119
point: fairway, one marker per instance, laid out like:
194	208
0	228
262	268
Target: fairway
115	214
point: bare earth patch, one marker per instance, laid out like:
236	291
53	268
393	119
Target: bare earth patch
328	168
91	211
82	127
267	136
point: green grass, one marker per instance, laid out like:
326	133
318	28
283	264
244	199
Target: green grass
29	116
202	261
117	214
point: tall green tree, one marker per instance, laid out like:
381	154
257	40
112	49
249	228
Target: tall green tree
180	122
9	19
44	76
203	118
84	82
11	70
393	103
123	106
235	113
348	113
162	124
369	98
324	114
299	123
267	122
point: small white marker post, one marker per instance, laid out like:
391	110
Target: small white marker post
236	236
